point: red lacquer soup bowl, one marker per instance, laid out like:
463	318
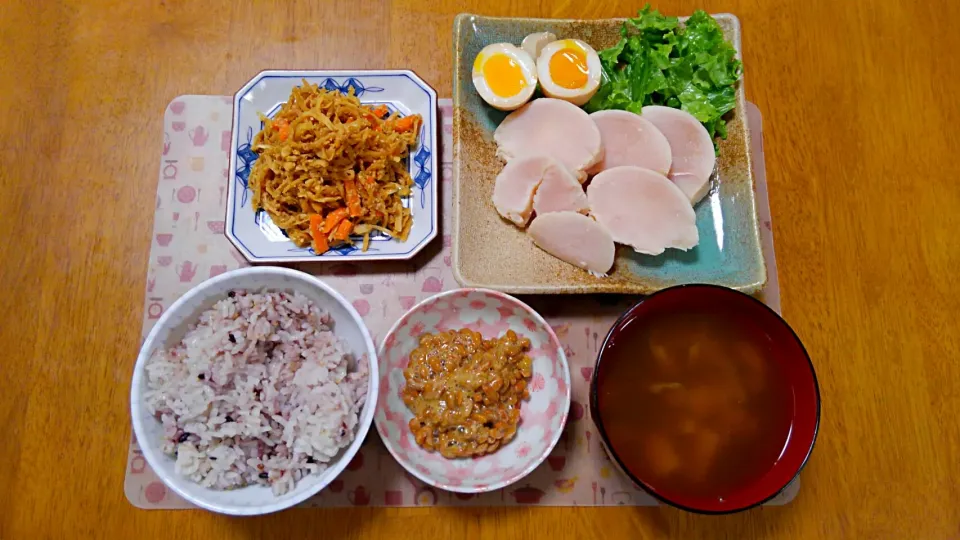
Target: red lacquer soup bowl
706	399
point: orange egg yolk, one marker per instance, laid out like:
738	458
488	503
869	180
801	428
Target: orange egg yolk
568	68
504	75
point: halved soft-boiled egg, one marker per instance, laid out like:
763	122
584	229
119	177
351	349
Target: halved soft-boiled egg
504	75
569	69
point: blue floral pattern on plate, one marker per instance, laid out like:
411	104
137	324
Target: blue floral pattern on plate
245	158
254	233
350	84
421	157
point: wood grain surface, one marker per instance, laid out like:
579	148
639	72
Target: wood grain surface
860	128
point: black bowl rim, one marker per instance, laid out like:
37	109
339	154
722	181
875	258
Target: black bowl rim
598	422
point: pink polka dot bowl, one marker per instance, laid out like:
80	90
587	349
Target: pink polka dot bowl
541	418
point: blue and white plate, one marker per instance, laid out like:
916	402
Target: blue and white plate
255	234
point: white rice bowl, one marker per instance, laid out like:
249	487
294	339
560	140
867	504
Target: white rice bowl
251	403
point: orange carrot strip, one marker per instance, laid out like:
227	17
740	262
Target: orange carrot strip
353	197
319	239
283	126
381	111
406	123
343	230
333	219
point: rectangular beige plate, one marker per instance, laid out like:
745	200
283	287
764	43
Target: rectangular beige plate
490	252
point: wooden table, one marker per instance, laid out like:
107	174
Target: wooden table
860	118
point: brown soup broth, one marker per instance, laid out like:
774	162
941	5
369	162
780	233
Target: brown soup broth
694	403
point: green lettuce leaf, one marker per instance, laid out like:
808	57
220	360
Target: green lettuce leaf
659	62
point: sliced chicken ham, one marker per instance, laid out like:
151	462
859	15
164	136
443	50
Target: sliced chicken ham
559	191
536	183
694	187
574	238
693	153
643	209
515	185
552	127
630	139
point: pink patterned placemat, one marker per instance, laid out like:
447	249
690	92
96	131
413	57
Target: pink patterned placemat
189	246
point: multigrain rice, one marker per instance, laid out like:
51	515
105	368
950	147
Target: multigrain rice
260	391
